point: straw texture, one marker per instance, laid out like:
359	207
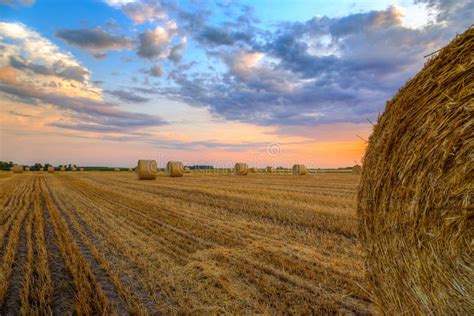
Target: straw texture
174	169
146	170
414	199
299	170
50	169
241	169
17	169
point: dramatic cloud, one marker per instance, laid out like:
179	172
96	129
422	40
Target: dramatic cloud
34	71
26	50
93	39
324	70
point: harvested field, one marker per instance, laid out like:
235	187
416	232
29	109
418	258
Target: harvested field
105	242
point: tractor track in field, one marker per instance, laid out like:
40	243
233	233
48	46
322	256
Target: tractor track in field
101	276
12	302
63	290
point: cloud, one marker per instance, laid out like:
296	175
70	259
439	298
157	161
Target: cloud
141	12
126	96
34	71
176	52
155	71
323	70
154	43
218	36
28	51
93	39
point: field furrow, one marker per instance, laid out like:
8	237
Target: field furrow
205	243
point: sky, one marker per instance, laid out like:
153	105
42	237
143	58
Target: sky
266	82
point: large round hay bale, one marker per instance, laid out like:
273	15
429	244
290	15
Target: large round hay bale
241	169
415	194
299	170
174	169
269	169
50	169
146	170
356	169
17	169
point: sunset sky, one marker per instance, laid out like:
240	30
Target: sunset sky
105	83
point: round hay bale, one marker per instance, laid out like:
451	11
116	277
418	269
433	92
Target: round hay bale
130	169
270	170
17	169
73	169
50	169
62	169
116	169
41	169
299	170
356	169
81	169
174	169
27	168
241	169
253	170
146	170
414	199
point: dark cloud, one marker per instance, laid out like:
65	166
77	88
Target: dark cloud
155	71
153	43
59	69
127	96
93	39
176	52
100	55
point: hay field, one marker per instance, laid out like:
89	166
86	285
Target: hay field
104	242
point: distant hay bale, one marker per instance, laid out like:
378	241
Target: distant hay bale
270	170
187	170
415	193
146	170
50	169
11	168
62	169
27	168
73	169
299	170
116	169
253	170
130	169
17	169
241	169
357	169
81	169
174	169
41	169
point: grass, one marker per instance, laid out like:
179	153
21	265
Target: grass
203	243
